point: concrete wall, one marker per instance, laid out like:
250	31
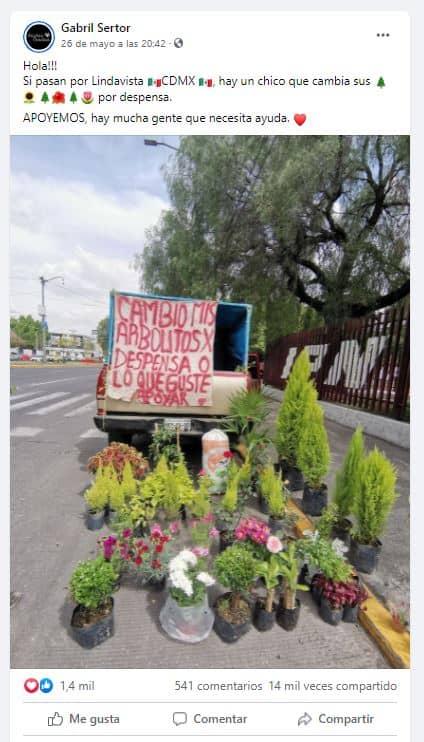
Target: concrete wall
393	431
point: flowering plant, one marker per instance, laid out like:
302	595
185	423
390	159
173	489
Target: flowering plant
252	529
149	555
202	530
340	594
116	455
188	578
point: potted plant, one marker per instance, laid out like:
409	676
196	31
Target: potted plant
289	608
97	497
227	511
290	420
164	443
277	504
266	482
270	571
355	597
314	459
248	410
116	455
254	532
91	587
347	486
375	499
151	556
186	615
235	568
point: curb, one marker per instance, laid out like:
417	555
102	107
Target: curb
70	364
376	619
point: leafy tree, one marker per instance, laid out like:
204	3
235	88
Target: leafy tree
322	220
27	329
103	334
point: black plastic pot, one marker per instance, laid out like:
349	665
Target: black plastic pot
350	613
330	615
226	539
110	516
157	585
263	505
316	591
303	575
314	501
364	556
263	620
275	524
229	632
342	530
91	636
293	476
287	618
95	520
138	531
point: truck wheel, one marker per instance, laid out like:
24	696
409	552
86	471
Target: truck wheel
119	438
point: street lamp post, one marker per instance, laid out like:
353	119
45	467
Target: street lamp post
43	312
155	143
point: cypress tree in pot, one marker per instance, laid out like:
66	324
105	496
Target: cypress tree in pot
374	502
347	486
314	459
270	570
298	392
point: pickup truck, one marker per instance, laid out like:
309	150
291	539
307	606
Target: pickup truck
174	362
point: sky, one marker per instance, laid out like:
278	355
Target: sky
80	207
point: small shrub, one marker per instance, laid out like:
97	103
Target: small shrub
116	455
313	454
235	568
92	583
97	496
376	497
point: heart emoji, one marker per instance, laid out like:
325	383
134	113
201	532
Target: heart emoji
31	685
300	118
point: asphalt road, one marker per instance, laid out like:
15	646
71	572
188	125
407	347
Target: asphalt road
52	437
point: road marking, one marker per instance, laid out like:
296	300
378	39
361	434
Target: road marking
54	381
81	410
25	432
59	405
14	397
37	400
92	433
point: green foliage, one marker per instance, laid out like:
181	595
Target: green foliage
235	568
348	478
247	410
27	329
103	335
270	570
298	393
97	496
129	483
201	504
321	554
243	207
92	583
327	521
313	453
164	443
376	497
230	499
289	568
277	497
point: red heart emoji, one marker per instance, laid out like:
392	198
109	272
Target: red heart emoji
300	118
31	685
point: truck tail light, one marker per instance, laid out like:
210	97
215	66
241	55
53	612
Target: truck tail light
101	383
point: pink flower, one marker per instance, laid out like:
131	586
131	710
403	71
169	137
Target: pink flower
202	473
127	532
200	551
174	527
274	545
214	533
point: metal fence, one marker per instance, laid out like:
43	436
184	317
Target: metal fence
363	363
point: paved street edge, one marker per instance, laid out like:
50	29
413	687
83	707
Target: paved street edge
375	618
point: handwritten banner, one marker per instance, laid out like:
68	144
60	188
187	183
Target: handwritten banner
162	351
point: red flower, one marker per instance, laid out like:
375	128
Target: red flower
156	564
159	549
228	455
138	560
